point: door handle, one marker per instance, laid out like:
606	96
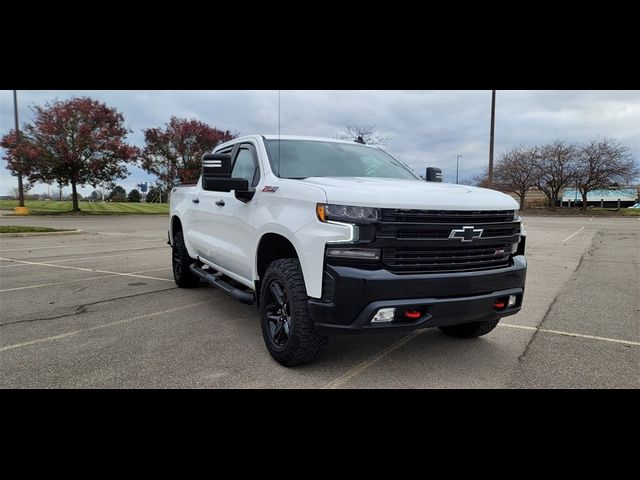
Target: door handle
196	200
220	203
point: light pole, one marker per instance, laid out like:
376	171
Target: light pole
457	164
15	116
491	135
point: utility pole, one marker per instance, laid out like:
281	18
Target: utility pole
493	125
15	115
457	163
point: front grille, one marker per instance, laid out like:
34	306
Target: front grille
418	241
395	215
408	233
447	259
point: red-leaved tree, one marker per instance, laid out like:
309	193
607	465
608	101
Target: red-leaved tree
80	142
174	153
20	156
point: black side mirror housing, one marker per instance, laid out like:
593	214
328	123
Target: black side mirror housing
216	177
434	174
216	165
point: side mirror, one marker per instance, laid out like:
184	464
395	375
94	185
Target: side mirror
216	177
434	174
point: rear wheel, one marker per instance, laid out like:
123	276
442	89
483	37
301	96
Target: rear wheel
181	261
470	330
287	327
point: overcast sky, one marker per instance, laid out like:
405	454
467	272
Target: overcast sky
429	128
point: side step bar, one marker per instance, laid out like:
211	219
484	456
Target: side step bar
240	295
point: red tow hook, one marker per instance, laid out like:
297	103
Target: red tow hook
412	314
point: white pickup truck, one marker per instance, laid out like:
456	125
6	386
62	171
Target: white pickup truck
329	237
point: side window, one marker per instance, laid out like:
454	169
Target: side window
246	167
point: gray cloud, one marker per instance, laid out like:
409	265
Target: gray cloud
429	128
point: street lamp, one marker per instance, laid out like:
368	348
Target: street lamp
491	136
457	164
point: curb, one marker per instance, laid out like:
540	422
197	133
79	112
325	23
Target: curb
39	234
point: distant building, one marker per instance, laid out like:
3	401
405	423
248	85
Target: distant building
606	198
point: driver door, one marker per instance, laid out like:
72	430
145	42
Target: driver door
227	222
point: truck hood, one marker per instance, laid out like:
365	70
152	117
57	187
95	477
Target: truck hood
410	194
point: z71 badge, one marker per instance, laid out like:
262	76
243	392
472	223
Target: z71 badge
269	189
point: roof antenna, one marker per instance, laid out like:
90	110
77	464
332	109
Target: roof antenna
359	140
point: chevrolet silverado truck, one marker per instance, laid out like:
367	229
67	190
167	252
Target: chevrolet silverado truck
333	237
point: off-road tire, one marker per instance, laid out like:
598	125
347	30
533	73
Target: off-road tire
303	344
470	330
182	275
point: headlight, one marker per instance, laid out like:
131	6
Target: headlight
346	213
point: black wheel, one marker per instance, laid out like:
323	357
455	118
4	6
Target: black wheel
181	260
287	327
470	330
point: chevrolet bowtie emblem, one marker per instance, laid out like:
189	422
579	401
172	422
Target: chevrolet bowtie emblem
466	234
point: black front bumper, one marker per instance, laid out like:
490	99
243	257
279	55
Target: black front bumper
352	296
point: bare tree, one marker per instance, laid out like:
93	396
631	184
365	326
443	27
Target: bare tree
482	178
515	171
556	165
604	163
367	134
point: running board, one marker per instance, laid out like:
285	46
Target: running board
240	295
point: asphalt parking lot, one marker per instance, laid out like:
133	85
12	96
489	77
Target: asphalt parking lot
100	309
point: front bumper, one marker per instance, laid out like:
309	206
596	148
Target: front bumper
352	296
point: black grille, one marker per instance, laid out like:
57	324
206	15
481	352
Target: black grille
409	233
447	259
418	241
446	216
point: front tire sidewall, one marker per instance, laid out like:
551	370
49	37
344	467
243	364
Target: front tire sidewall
304	344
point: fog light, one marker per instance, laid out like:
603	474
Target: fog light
512	301
384	315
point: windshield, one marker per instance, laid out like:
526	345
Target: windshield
309	158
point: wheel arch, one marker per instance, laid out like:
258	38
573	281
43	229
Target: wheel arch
271	247
175	226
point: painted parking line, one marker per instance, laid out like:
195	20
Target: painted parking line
361	367
570	334
76	245
100	327
74	260
572	235
88	280
67	267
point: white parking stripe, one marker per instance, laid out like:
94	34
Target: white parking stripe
99	327
83	269
338	382
73	260
76	245
361	367
570	334
86	280
571	236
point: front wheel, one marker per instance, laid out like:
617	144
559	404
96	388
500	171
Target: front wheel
470	330
287	327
